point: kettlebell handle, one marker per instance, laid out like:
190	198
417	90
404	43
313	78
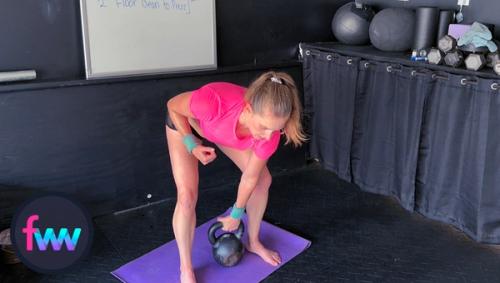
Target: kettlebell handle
217	225
239	232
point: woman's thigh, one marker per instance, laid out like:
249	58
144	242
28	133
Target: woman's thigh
241	158
184	165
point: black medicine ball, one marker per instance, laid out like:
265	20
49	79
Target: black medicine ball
350	24
392	29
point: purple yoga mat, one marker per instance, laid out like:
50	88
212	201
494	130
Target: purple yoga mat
162	264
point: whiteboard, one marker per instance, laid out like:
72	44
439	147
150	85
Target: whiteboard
140	37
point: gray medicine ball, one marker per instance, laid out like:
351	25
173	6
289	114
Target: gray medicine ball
392	29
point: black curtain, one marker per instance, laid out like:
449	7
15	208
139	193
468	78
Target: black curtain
329	93
459	159
389	105
431	139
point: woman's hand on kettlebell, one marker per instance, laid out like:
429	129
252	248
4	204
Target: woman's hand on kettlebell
229	224
204	154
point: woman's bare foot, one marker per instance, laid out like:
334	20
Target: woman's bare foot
269	256
187	276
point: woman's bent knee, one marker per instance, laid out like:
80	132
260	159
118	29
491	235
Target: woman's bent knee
265	181
187	200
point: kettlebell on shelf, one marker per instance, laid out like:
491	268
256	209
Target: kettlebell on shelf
227	249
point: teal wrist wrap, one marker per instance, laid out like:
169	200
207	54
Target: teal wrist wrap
189	142
237	213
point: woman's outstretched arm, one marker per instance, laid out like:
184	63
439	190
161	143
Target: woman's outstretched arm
249	179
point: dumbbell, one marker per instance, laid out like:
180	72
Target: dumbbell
454	58
492	58
475	61
496	68
447	43
435	56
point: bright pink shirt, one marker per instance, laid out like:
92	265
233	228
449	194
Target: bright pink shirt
218	106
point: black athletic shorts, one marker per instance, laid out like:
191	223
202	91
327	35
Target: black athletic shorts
171	125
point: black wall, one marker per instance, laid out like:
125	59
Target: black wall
46	35
484	11
41	35
103	141
268	31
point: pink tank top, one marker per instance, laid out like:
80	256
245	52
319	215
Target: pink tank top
218	106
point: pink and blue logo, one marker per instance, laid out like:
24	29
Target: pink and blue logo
49	237
51	233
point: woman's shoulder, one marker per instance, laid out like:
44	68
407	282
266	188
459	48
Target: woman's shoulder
225	87
216	99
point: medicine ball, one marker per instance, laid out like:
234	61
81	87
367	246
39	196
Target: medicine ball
392	29
350	24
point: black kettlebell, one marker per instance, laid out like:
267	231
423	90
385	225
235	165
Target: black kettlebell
227	249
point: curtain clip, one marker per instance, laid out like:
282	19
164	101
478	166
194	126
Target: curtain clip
436	76
465	81
416	72
391	68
